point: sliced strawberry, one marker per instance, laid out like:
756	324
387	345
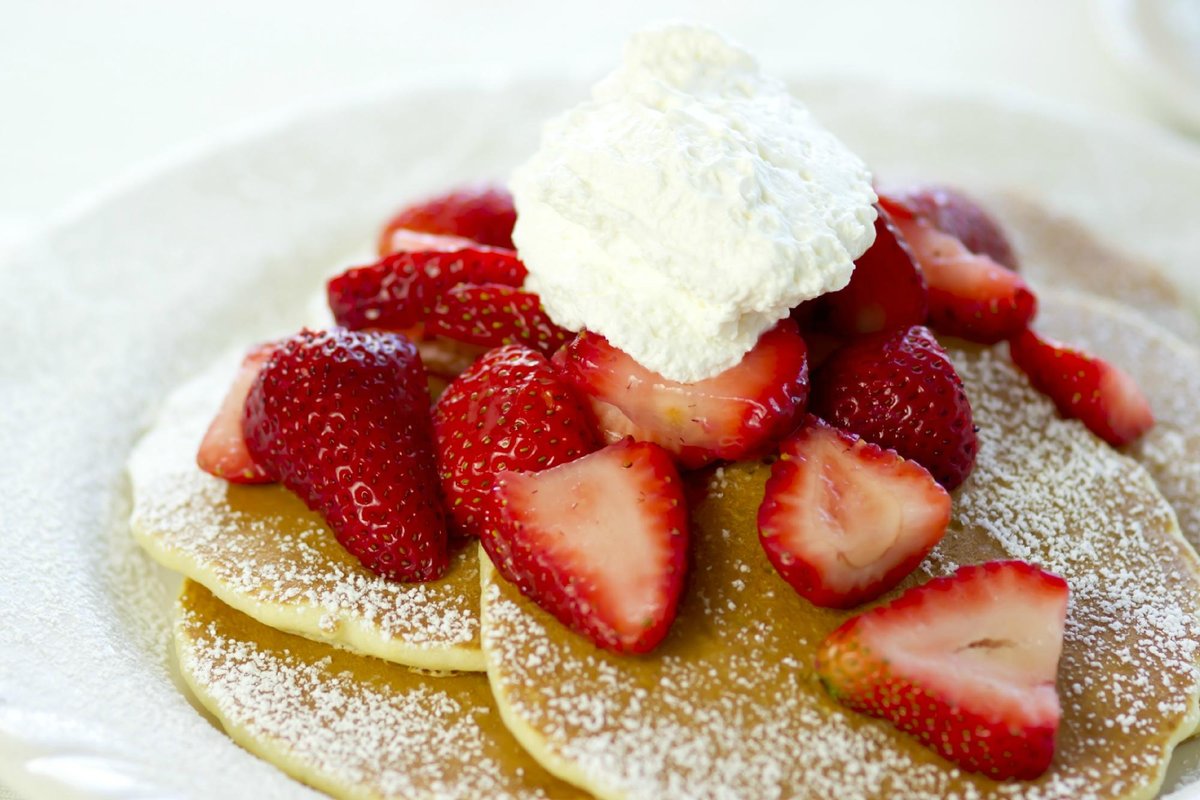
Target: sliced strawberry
736	414
967	664
493	315
401	290
482	213
223	450
342	418
952	212
886	290
899	390
970	295
509	411
1084	387
600	543
404	240
844	521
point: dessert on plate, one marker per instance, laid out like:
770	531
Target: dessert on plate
699	465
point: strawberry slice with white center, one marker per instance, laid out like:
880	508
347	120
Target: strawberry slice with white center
403	240
842	520
1085	387
970	295
599	542
953	212
966	663
223	450
737	414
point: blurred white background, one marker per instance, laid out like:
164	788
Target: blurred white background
90	88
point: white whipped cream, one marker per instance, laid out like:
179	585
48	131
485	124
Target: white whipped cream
688	206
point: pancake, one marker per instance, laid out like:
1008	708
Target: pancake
1058	253
350	725
729	705
262	551
1168	371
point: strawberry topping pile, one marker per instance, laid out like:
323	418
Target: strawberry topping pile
566	458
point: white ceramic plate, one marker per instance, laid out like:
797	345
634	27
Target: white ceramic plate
126	297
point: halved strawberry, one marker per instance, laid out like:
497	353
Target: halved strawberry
967	664
970	295
482	212
885	291
736	414
342	418
600	543
401	290
508	411
492	315
1084	387
953	212
844	521
223	450
899	390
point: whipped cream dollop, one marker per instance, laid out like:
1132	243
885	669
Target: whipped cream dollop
688	206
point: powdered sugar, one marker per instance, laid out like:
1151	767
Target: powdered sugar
729	707
348	724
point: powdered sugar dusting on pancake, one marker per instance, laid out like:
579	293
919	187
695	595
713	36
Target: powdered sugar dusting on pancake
348	724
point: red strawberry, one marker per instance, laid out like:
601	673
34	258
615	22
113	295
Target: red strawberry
223	450
843	520
886	290
492	315
401	290
967	664
1084	387
600	543
734	415
970	295
342	418
952	212
509	411
899	390
482	213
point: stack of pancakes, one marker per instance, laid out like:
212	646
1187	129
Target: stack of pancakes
462	688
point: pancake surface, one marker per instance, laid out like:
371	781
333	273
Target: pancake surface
1059	253
1168	371
729	705
347	724
262	551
